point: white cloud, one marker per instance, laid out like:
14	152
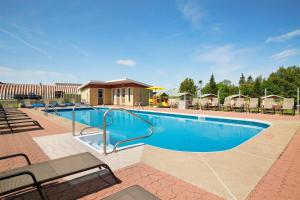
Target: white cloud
285	54
126	62
225	61
14	75
192	12
37	49
80	50
222	59
284	37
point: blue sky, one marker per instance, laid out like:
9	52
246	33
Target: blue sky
157	42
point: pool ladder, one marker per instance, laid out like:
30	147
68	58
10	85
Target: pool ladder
151	130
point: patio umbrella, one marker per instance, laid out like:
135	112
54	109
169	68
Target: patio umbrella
155	88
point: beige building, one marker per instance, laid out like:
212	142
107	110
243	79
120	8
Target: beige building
125	92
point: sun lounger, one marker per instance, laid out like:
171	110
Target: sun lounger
34	175
38	105
134	192
18	123
13	110
14	120
253	105
193	104
214	104
268	104
27	104
69	104
288	104
174	103
227	104
239	104
204	104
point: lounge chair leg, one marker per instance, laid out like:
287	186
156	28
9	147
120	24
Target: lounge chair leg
11	129
38	124
39	189
111	172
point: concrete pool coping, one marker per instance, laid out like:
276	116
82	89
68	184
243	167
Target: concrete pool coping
231	174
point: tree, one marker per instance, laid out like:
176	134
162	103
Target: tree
242	80
211	86
257	87
284	82
226	89
226	82
249	79
199	88
188	86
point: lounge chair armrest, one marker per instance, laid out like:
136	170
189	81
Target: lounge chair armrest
21	173
16	155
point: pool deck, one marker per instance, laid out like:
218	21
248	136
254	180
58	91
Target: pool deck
265	167
226	173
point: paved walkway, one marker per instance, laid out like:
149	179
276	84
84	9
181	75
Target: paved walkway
281	182
91	187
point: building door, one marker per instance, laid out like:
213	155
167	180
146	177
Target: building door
118	97
100	96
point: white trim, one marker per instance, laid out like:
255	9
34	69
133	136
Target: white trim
124	80
90	82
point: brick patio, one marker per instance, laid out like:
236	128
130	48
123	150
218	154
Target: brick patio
281	182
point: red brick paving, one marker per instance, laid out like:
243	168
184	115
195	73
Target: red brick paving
281	182
161	184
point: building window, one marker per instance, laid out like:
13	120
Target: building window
123	92
58	94
129	94
118	92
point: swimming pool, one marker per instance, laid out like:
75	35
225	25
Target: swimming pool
171	131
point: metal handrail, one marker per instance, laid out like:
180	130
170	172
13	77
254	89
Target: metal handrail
53	108
85	128
73	118
127	140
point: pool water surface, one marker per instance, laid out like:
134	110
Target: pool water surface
171	131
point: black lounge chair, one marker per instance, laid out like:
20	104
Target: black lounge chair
34	175
12	118
134	192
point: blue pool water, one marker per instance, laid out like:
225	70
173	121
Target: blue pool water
172	131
